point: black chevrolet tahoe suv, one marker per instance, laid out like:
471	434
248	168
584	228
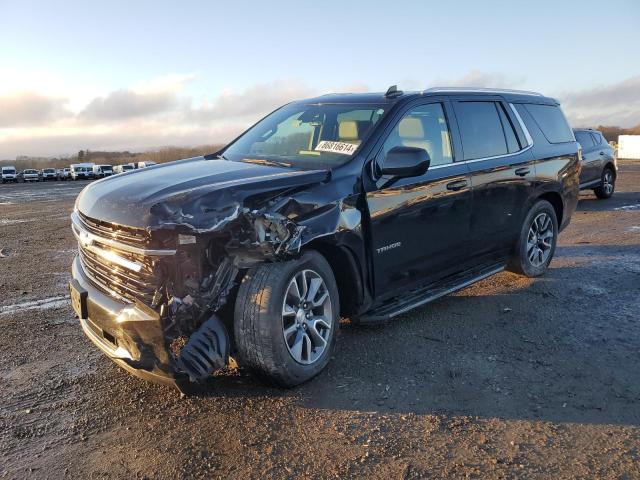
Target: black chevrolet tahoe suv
356	205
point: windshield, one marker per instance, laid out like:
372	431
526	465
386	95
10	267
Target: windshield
8	170
49	170
30	171
127	167
307	135
106	168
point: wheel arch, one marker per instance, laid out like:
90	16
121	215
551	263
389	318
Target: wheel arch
611	167
346	272
555	199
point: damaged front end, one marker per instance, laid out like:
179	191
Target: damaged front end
157	300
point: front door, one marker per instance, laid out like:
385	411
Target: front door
419	225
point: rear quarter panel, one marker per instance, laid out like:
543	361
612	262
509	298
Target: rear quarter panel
557	169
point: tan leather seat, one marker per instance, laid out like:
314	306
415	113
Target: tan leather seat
348	132
411	133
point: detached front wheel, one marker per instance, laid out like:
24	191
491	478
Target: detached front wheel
286	319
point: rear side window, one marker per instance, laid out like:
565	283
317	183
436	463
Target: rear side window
509	133
552	123
598	138
481	130
584	139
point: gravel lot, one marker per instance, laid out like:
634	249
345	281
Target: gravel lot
509	378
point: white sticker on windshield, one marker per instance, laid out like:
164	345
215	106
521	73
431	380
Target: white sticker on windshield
336	147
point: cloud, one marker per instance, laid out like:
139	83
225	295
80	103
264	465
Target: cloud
480	79
125	104
156	96
616	104
476	78
252	103
161	112
30	109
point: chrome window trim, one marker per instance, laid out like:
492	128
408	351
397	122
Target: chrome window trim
77	230
480	159
522	125
527	135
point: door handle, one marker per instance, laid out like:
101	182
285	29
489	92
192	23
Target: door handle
457	185
522	172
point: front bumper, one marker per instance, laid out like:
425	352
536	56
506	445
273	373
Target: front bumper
129	334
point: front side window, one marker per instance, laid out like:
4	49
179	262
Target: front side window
481	130
307	135
424	127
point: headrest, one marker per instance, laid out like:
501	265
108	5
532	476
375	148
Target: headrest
348	130
411	127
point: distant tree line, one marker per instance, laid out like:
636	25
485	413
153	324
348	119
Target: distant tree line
611	133
161	155
169	154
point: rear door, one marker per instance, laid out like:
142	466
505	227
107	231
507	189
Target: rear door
420	225
591	158
502	170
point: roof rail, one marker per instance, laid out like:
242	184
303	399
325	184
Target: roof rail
480	90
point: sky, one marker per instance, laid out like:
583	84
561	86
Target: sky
144	74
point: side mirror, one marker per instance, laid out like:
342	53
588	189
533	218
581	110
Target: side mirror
406	162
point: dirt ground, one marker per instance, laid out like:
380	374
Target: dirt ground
509	378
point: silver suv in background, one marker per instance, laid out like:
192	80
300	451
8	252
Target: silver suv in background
599	165
9	174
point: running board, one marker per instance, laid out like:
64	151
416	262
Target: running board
420	297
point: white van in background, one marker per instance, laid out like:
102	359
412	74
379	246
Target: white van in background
30	175
101	171
123	168
81	171
145	164
9	174
64	173
49	174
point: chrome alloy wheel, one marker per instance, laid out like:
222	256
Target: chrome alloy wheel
540	239
307	317
607	182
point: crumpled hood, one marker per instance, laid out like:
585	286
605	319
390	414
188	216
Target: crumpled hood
196	192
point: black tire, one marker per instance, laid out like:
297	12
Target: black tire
522	261
259	324
607	184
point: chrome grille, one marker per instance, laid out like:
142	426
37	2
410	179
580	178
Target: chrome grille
116	263
128	235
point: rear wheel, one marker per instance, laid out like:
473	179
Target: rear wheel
606	188
537	242
286	319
